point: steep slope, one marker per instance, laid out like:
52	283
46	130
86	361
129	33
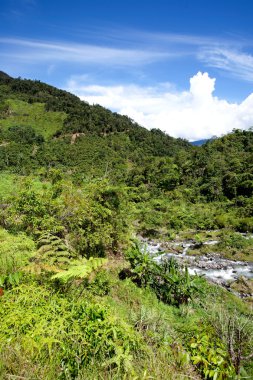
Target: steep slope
71	133
81	117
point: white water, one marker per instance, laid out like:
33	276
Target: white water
214	268
224	275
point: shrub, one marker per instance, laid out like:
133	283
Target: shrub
234	240
211	358
172	284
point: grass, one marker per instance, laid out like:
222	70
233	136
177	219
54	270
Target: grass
231	245
43	315
163	330
155	323
33	115
170	328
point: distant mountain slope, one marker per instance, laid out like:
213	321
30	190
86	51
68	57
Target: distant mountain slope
224	166
203	141
199	142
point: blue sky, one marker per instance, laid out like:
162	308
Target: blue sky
184	66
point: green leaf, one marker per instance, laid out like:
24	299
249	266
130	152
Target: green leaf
2	280
196	359
82	270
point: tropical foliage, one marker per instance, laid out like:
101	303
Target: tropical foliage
172	284
78	298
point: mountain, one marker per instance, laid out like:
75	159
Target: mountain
43	127
199	142
4	76
78	116
203	141
71	133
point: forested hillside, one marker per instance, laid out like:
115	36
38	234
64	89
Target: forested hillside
80	296
71	133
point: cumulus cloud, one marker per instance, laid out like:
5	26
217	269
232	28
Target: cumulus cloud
192	114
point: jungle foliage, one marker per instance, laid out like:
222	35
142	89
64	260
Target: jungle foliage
80	300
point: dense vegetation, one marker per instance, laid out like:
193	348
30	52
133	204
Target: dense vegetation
79	298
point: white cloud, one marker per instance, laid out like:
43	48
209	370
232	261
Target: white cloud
192	114
236	63
35	52
133	48
232	54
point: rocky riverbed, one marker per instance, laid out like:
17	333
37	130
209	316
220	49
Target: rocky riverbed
212	265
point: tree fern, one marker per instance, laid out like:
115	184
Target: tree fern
52	250
39	268
81	270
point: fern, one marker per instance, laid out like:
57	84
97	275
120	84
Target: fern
53	251
39	268
82	270
10	280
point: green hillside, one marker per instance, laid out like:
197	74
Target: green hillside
18	112
80	296
76	135
81	117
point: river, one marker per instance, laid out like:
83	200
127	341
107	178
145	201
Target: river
212	265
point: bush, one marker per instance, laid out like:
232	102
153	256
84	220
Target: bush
244	225
234	240
172	284
211	358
